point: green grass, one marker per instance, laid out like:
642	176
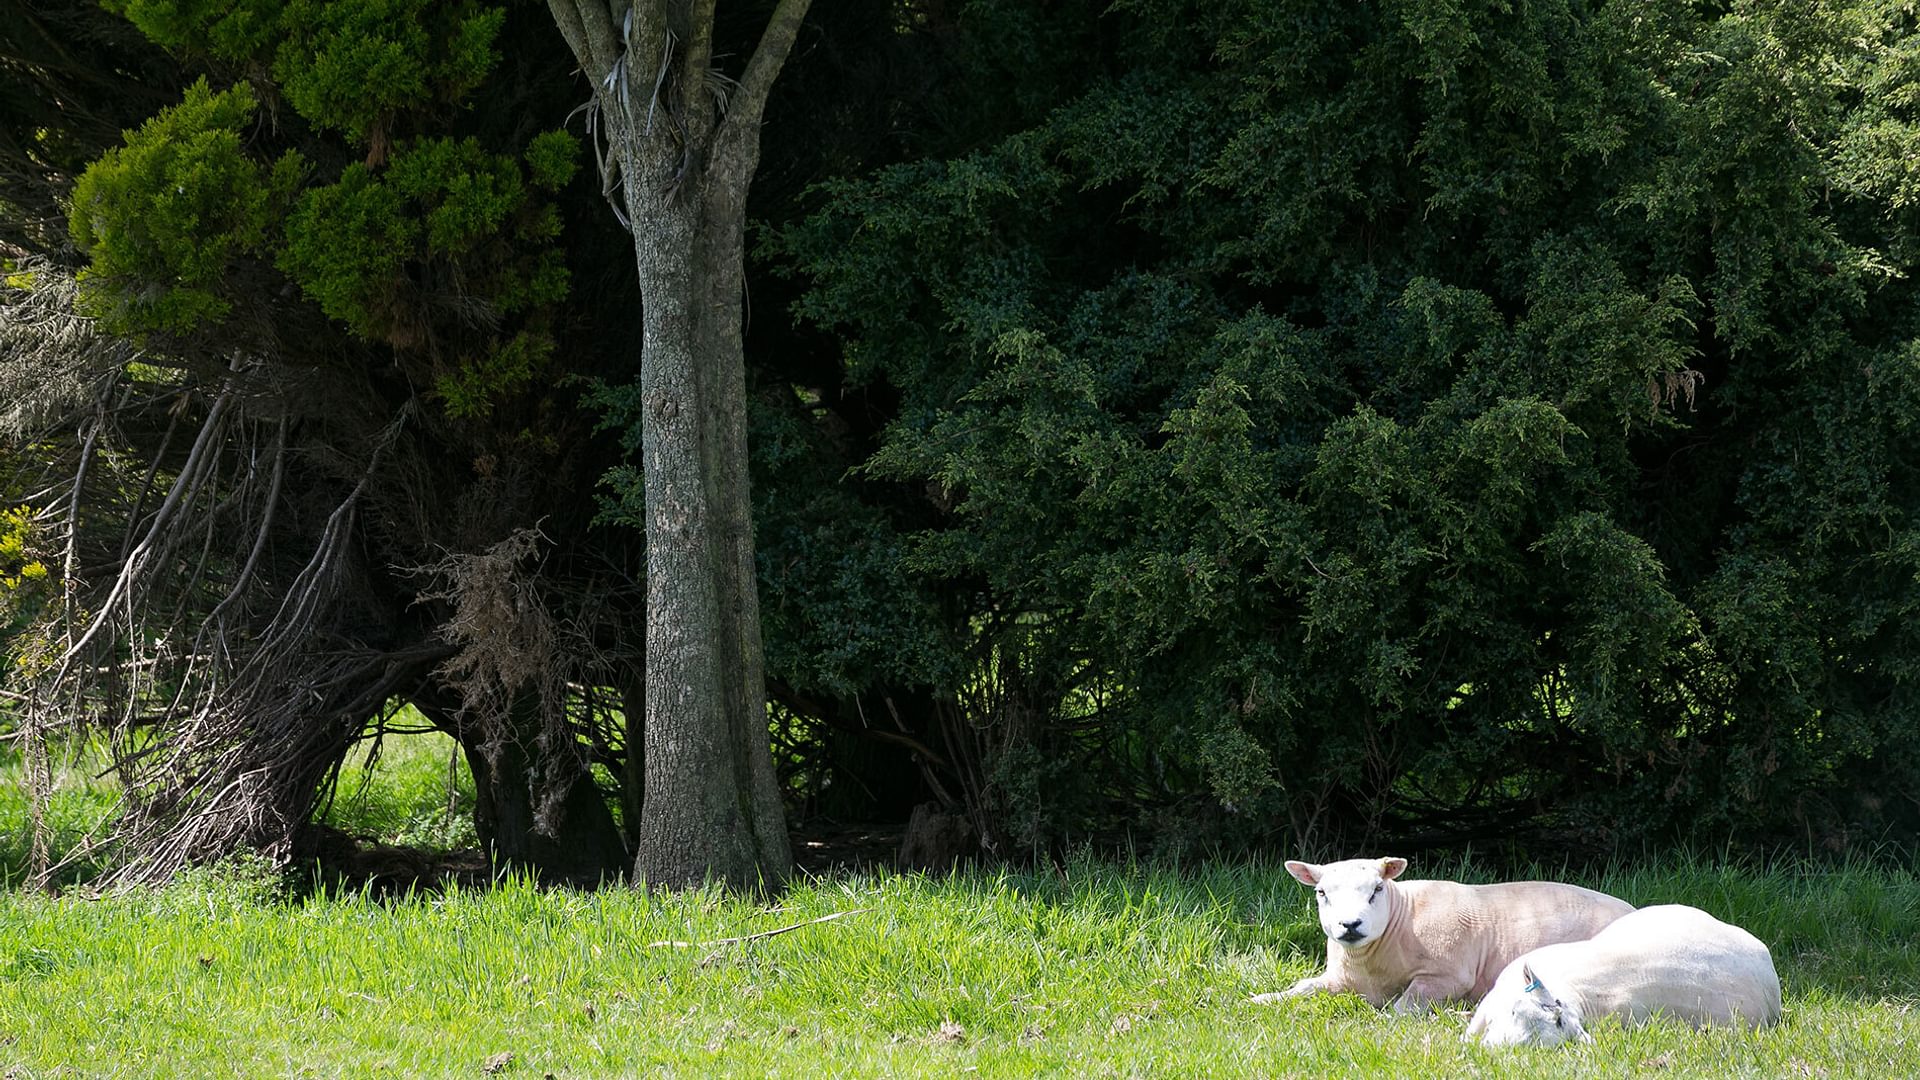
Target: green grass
81	808
1099	970
418	793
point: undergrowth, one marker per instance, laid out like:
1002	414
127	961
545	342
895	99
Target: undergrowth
410	790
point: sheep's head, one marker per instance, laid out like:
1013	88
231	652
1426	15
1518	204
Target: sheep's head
1537	1018
1353	896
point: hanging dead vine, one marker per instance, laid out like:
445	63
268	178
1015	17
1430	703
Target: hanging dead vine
510	669
194	628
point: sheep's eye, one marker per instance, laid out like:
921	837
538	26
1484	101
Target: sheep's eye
1377	888
1322	894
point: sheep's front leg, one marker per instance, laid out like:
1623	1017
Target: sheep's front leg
1424	992
1313	984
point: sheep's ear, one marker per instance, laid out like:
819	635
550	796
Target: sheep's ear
1392	868
1533	986
1304	872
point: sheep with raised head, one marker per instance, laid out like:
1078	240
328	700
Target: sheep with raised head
1413	943
1669	959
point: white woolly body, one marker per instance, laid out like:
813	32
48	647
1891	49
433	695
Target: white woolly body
1670	959
1416	942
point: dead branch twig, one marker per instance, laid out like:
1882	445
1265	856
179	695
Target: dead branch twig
755	937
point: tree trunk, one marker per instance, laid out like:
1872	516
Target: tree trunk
711	807
584	846
935	840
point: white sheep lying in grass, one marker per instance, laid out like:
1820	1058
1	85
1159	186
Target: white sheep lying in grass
1669	959
1417	942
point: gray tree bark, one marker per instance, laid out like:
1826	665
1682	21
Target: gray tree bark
686	143
585	846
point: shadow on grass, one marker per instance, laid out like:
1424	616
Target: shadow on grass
1843	928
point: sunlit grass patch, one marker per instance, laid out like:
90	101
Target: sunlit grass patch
1089	970
409	790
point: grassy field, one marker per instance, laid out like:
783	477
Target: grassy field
1096	969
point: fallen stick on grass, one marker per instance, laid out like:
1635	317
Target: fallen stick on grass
753	937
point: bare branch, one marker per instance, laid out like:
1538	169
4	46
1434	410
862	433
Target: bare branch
260	538
185	484
755	937
783	28
55	359
317	580
588	27
740	129
146	481
67	583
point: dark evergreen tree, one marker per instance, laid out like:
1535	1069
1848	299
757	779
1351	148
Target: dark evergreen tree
1423	421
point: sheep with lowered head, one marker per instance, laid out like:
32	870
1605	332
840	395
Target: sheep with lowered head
1418	942
1669	958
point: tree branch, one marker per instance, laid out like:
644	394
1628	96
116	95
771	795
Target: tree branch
315	582
260	540
755	937
187	481
740	128
588	27
698	22
73	523
146	482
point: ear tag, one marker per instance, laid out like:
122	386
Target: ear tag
1532	986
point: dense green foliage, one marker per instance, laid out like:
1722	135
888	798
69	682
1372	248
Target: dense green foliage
177	206
350	67
426	222
1260	423
1443	420
18	566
